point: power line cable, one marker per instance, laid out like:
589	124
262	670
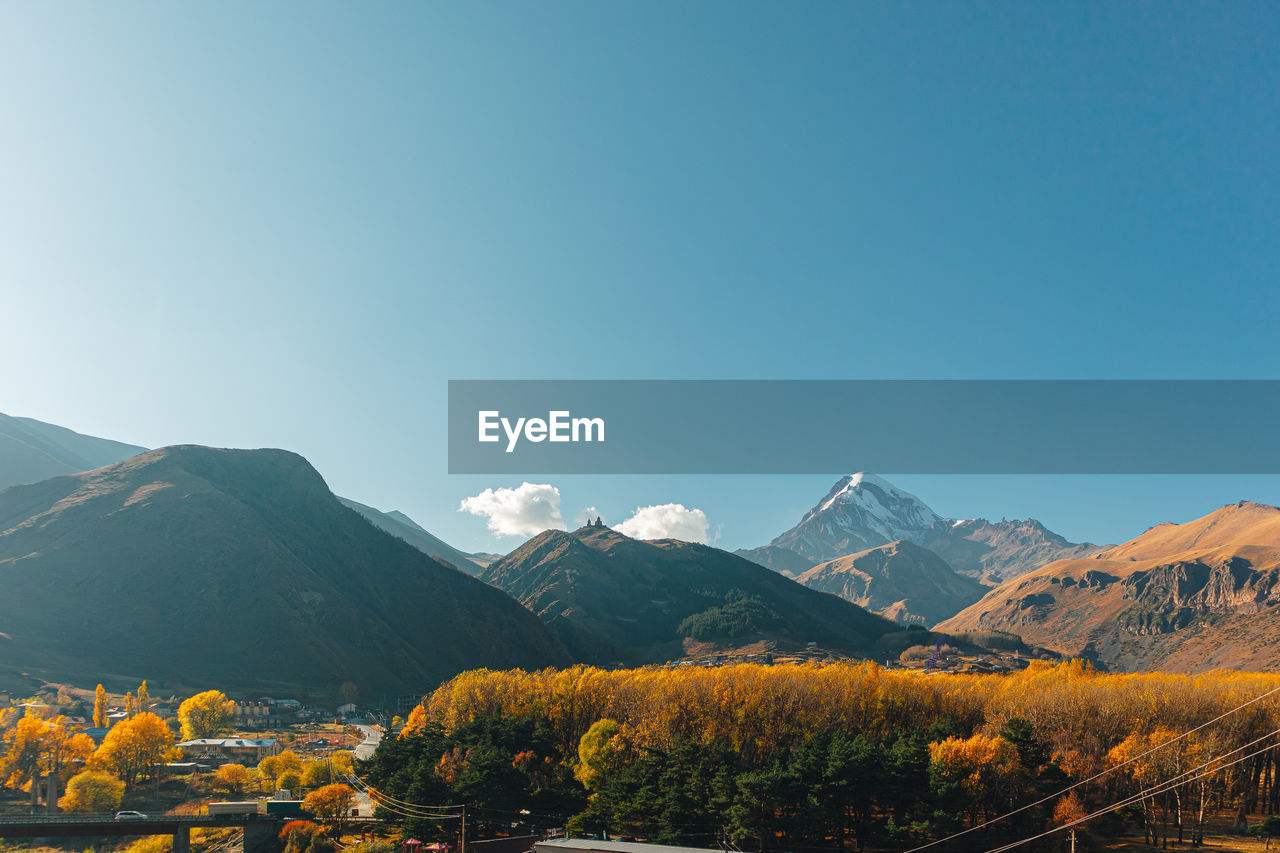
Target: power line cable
368	789
1153	791
1092	778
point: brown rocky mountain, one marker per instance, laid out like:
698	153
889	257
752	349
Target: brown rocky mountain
900	581
196	567
1183	597
612	598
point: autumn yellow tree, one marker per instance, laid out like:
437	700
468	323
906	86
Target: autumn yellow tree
316	774
289	780
92	791
206	714
343	763
597	751
133	747
100	707
25	746
130	707
71	754
330	803
1145	760
35	745
273	767
144	696
984	767
234	778
416	722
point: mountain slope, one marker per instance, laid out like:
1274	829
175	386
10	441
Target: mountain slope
865	511
612	598
779	559
1184	597
199	567
900	581
31	451
402	526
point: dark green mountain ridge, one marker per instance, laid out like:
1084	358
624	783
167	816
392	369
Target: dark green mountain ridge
200	567
612	598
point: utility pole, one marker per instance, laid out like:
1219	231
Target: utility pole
1073	841
462	848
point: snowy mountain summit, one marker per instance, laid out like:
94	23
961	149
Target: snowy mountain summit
865	511
861	511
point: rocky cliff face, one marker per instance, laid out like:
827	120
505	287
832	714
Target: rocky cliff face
1171	597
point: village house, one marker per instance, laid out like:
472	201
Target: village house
231	750
255	713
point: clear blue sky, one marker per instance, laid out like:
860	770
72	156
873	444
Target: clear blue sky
289	224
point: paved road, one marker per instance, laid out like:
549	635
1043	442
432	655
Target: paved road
364	750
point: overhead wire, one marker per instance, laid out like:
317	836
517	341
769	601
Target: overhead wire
1153	791
1094	777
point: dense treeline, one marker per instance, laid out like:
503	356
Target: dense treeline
827	756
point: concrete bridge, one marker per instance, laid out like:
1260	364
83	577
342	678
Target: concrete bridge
260	831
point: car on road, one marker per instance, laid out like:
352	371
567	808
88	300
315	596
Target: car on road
127	816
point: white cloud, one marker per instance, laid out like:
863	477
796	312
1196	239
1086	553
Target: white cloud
666	521
524	511
587	516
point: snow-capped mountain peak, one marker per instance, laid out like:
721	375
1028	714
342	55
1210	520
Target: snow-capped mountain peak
861	511
871	490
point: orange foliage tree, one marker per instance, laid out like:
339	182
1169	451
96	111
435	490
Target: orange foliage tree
134	747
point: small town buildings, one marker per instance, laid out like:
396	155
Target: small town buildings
163	710
255	713
231	750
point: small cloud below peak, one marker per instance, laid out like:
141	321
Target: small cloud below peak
526	510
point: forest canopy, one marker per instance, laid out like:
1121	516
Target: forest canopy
822	756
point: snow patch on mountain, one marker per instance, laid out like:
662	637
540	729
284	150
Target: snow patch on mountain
861	511
865	511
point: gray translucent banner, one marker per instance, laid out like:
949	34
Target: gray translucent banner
903	427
